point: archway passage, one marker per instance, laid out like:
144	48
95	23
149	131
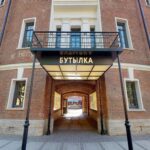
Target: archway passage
75	111
75	115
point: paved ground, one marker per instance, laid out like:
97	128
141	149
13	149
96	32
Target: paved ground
81	122
75	140
75	133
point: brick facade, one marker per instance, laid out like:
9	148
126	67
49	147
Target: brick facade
137	58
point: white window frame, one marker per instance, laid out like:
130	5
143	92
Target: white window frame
2	4
27	20
11	94
138	92
125	21
147	3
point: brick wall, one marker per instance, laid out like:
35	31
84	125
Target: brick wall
38	97
21	9
114	96
128	10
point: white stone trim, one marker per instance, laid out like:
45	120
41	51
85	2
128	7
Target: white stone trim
76	20
23	29
139	95
15	127
75	2
134	66
147	3
99	17
131	73
117	19
20	72
37	65
51	16
16	66
138	126
2	4
11	94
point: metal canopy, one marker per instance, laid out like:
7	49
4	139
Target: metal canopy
88	57
106	55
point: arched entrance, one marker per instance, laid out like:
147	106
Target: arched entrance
78	106
76	116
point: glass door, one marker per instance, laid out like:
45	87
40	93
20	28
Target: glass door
75	41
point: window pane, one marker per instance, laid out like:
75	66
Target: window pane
123	35
132	95
28	34
1	2
19	92
75	38
93	44
148	2
58	38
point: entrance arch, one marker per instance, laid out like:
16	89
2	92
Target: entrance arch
85	100
76	88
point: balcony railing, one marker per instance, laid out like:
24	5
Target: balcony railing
52	40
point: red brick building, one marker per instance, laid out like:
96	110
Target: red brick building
100	92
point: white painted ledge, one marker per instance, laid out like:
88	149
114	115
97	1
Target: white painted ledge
37	65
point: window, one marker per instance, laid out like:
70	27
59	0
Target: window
1	2
122	26
17	94
27	28
27	39
75	38
133	94
93	44
58	38
148	2
123	34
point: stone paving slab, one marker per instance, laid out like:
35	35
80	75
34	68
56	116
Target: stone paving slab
71	146
92	146
125	146
104	143
111	146
52	146
14	145
34	145
144	144
3	143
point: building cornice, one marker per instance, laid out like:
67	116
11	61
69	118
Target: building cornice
115	65
134	66
16	66
74	2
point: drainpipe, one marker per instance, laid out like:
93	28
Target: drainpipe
144	22
5	21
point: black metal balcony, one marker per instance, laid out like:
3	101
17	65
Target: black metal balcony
75	41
